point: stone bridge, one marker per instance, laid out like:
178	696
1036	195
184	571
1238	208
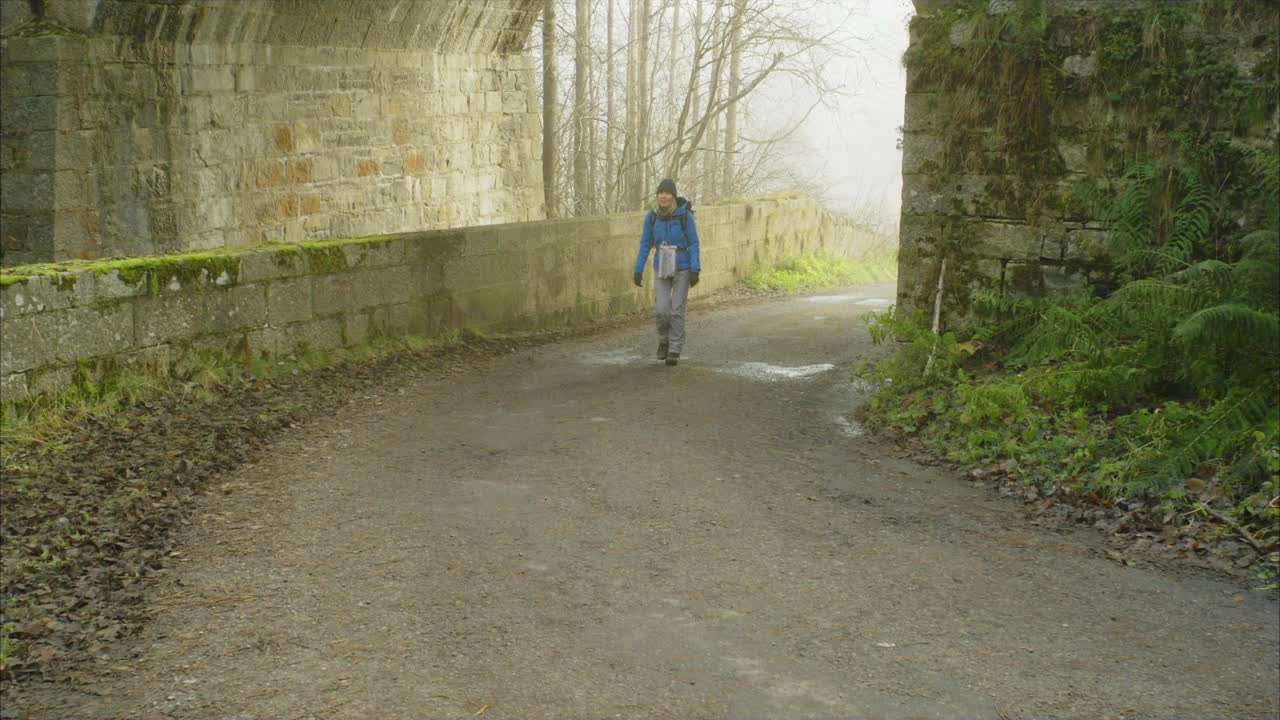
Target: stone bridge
133	127
268	128
288	174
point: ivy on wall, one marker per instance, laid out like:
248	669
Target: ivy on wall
1155	86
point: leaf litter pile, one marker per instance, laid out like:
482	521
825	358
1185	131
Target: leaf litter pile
90	517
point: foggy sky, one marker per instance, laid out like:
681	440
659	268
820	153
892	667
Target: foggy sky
854	145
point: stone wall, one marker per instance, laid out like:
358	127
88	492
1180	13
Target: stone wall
58	323
1018	113
133	127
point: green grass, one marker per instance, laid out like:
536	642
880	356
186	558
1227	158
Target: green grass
815	272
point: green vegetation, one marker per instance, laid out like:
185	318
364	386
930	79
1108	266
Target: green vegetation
1162	384
1166	390
158	271
814	272
103	388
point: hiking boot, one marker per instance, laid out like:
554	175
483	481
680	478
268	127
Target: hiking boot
673	358
662	351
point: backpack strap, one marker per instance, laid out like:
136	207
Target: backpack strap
684	228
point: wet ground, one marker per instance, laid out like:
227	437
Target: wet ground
579	531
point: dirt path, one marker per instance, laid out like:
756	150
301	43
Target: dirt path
577	531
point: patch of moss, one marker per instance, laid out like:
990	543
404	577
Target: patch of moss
287	257
160	271
323	259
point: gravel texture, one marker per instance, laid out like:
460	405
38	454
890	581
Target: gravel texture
576	531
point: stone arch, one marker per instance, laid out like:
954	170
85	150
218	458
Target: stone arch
141	126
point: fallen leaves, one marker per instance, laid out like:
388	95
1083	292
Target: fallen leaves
89	516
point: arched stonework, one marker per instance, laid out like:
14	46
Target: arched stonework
140	126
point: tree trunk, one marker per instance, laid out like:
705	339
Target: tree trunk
710	161
640	142
593	140
581	104
673	60
550	105
695	90
731	113
625	175
611	117
657	60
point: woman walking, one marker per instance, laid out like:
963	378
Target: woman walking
669	231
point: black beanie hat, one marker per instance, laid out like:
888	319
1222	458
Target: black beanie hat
667	186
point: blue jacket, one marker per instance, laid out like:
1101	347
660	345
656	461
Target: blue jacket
668	231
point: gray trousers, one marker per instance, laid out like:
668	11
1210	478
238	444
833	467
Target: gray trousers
670	297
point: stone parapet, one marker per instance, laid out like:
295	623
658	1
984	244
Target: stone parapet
57	322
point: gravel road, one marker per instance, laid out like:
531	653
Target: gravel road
577	531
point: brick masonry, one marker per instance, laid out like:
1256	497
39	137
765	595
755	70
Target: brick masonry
275	300
132	127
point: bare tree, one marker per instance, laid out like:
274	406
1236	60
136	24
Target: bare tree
550	107
735	87
611	116
593	137
629	153
688	103
581	105
693	97
641	142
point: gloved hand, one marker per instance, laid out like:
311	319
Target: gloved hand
693	278
638	279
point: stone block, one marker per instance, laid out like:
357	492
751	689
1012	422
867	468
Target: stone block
493	306
395	284
387	253
322	335
479	271
28	342
167	318
43	293
108	286
288	301
27	191
205	80
1007	240
236	308
356	329
66	336
338	293
922	153
50	381
405	319
13	387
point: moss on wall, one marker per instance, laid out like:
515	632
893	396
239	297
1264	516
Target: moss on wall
1032	115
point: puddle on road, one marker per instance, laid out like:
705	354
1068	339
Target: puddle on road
849	428
829	299
609	357
774	373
